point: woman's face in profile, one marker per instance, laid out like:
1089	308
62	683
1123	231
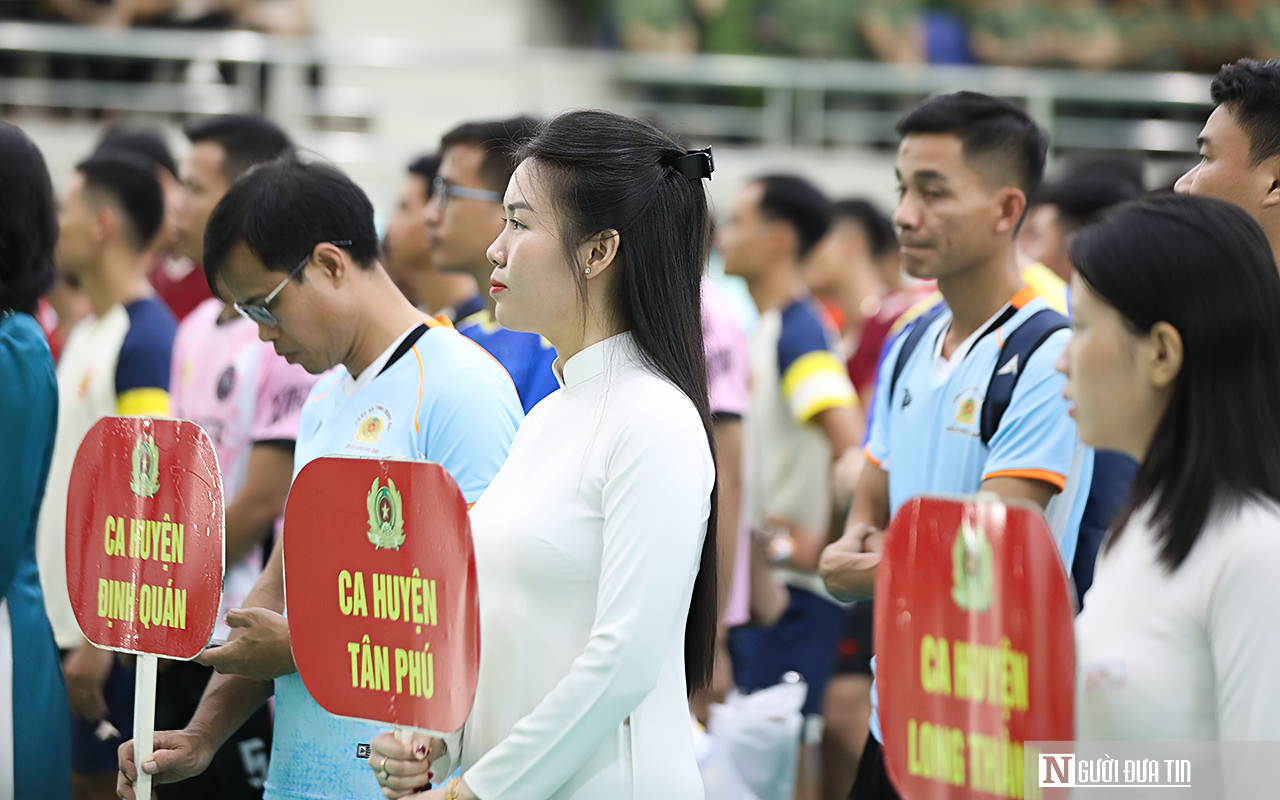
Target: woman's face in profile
1109	390
532	283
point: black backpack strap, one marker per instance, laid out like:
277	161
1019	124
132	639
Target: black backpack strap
1017	350
914	333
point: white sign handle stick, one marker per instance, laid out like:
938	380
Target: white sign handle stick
144	722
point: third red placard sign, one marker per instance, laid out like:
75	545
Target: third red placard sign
974	647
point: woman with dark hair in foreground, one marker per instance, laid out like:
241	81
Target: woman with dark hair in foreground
1176	361
595	543
35	740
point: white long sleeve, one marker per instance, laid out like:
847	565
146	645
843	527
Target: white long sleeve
587	546
1190	655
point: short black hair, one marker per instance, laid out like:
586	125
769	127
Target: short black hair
985	126
878	228
246	139
499	140
128	181
282	209
800	204
1251	92
147	142
28	222
426	167
1082	198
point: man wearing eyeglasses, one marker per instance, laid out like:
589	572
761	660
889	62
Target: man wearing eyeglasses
293	247
464	216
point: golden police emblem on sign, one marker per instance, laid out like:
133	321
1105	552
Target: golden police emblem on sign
971	568
146	467
386	516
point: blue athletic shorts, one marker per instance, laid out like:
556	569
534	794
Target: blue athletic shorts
804	640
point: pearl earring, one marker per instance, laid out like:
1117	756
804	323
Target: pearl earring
587	271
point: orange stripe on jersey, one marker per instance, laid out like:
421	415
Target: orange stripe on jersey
1025	295
469	505
1051	478
874	461
438	322
421	379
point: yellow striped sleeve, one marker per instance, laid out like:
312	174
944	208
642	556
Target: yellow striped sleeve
815	382
1048	285
144	402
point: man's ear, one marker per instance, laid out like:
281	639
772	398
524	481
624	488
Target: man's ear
1012	202
1272	171
334	263
599	252
783	242
104	222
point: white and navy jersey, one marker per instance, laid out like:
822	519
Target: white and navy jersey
114	364
433	395
797	372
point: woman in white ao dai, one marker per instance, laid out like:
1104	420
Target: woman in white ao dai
594	557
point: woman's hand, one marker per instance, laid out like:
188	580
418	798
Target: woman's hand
403	768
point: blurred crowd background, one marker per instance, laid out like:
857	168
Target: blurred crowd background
1131	34
1107	34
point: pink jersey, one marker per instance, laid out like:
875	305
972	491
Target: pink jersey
242	393
728	390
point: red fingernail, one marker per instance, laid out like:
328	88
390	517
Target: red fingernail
420	749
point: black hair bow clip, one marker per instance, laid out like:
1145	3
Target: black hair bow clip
696	164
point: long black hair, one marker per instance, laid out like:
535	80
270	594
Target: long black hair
28	223
1204	267
609	172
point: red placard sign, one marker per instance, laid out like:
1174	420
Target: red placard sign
380	585
974	647
144	536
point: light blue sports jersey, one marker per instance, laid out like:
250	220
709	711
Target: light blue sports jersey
444	400
927	437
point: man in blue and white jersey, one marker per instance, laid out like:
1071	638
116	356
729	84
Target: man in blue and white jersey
294	246
966	164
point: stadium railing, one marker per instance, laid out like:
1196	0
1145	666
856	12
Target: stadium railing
742	99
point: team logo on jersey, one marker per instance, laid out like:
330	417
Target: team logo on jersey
146	467
370	429
372	423
82	391
971	568
386	516
967	411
